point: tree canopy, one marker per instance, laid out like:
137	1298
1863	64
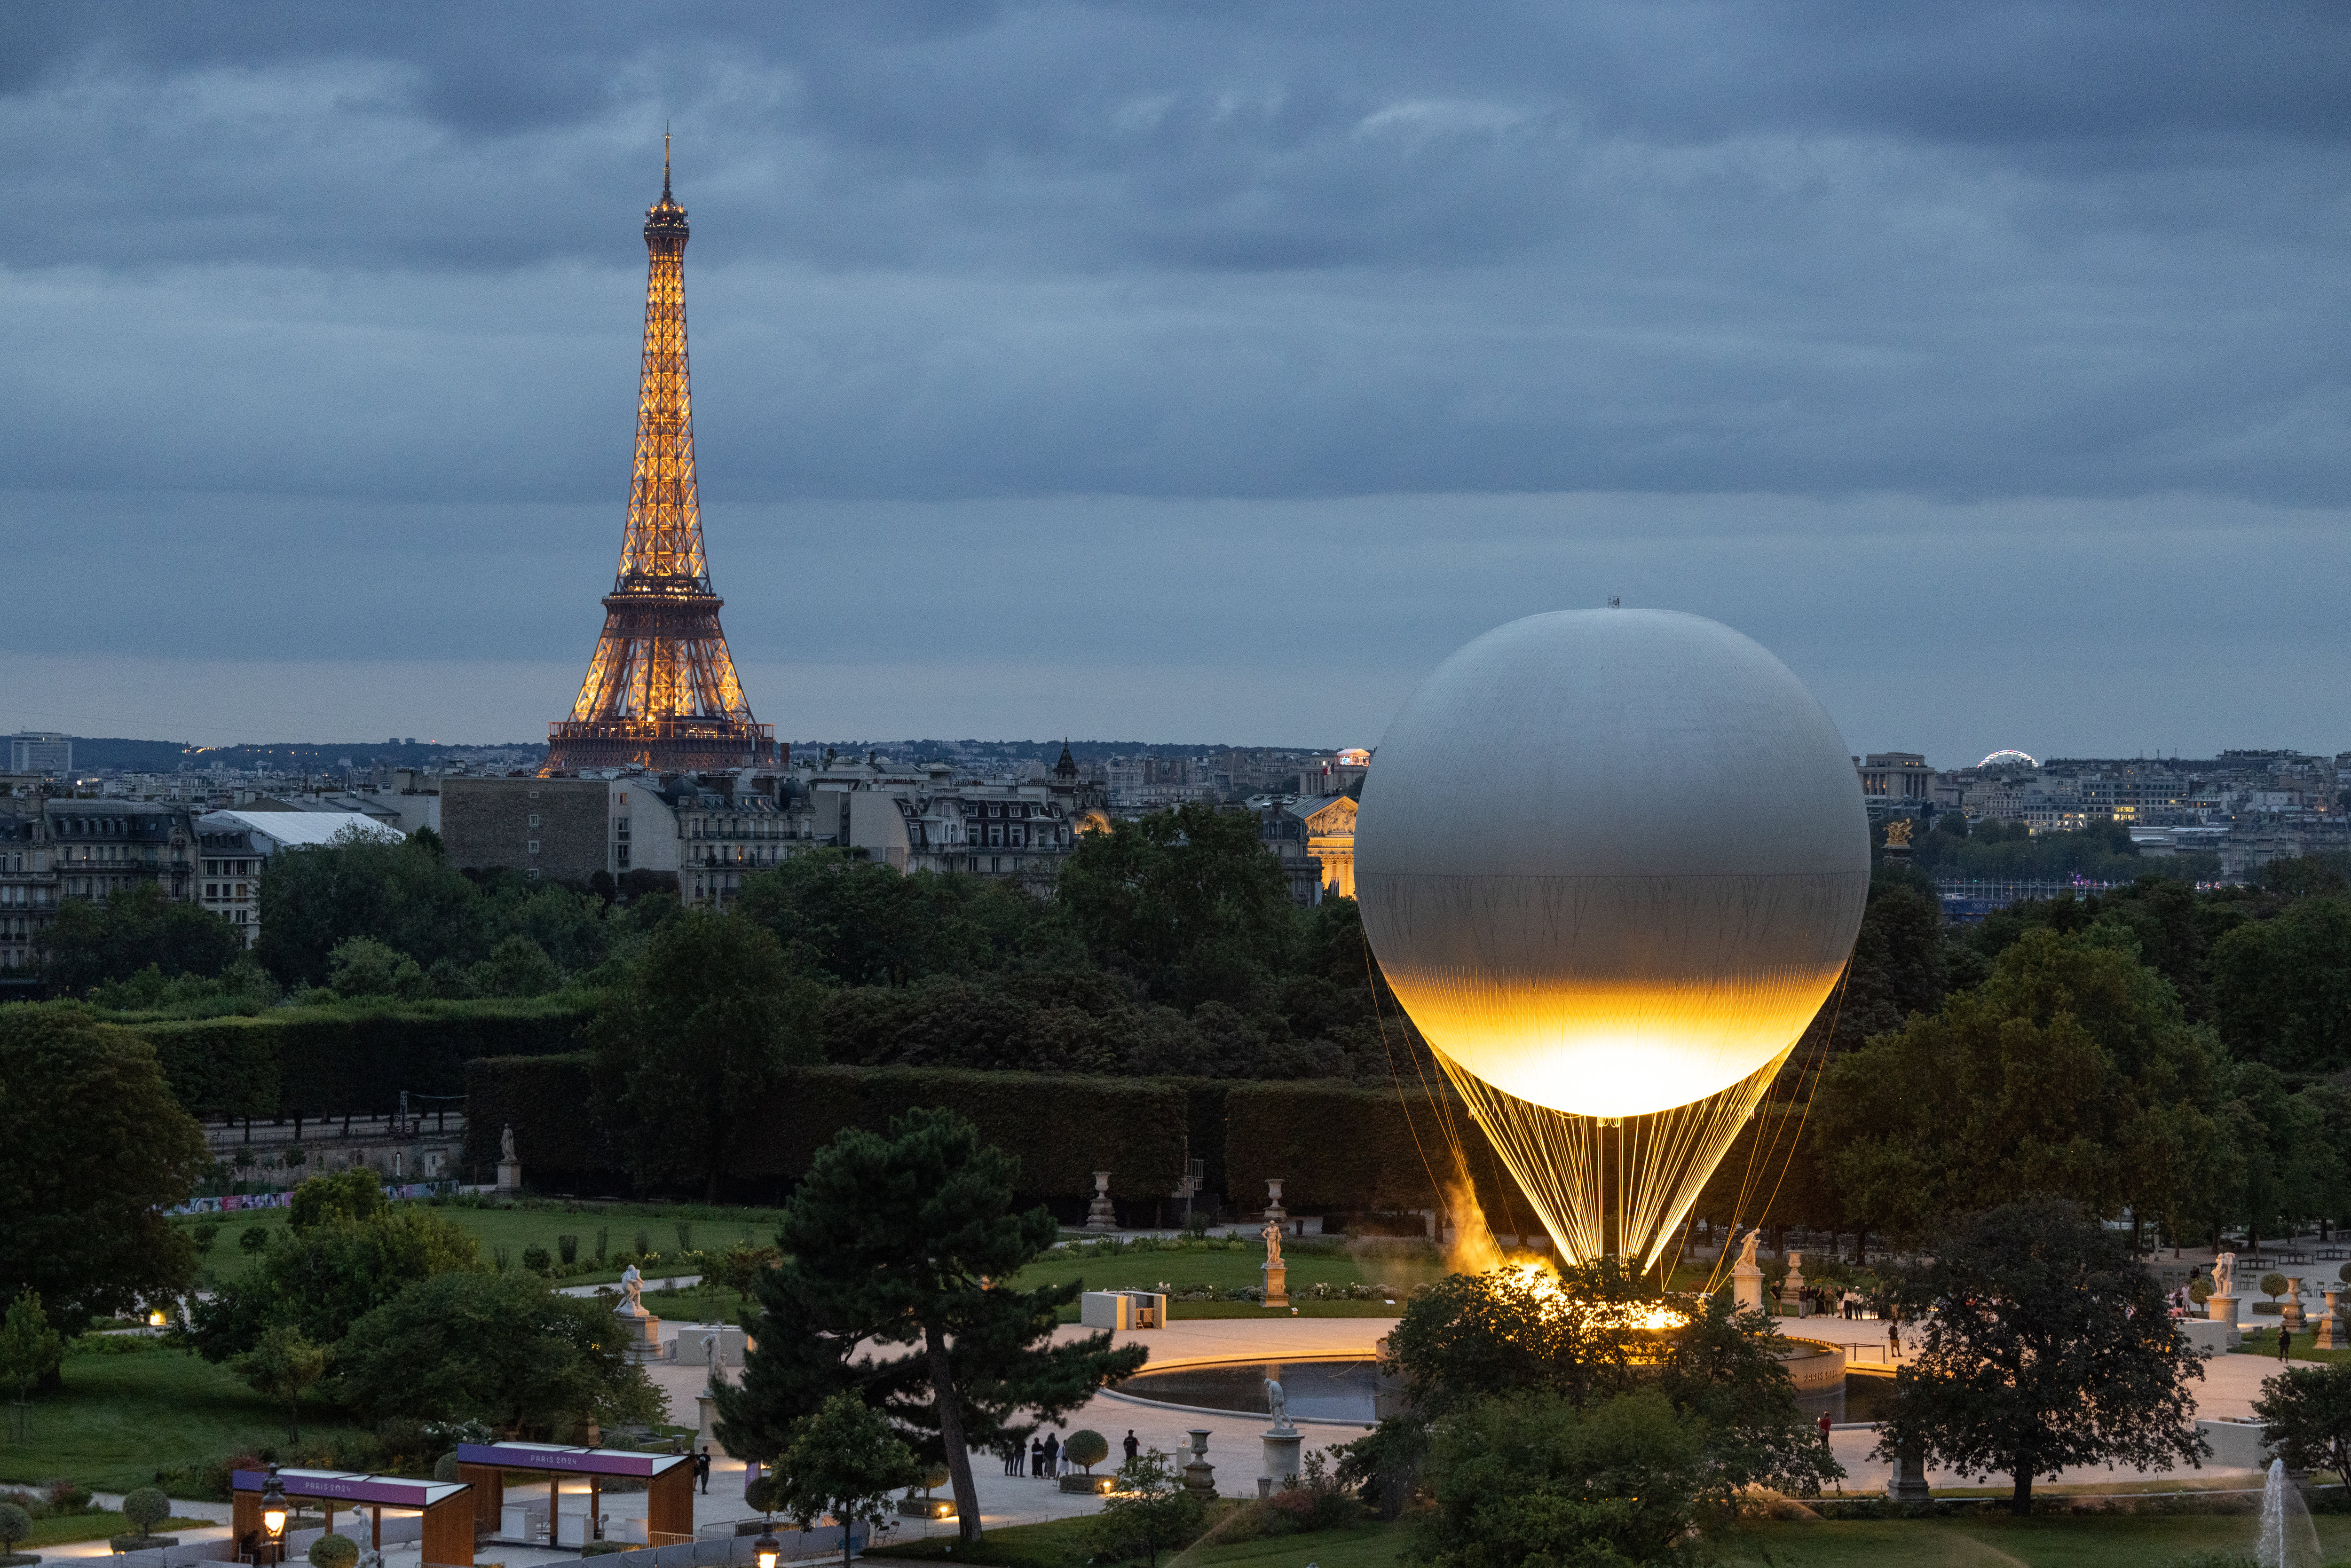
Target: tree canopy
709	1017
2044	1343
88	943
501	1349
900	1240
93	1149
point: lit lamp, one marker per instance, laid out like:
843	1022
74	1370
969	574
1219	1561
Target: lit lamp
272	1514
767	1549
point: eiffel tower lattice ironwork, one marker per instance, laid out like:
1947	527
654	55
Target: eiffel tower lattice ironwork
661	691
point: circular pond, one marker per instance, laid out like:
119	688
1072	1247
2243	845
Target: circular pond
1333	1390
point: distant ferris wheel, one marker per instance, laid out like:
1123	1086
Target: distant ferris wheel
2004	757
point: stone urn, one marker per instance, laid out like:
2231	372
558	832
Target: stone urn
2292	1316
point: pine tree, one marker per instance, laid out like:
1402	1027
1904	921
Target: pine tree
899	1238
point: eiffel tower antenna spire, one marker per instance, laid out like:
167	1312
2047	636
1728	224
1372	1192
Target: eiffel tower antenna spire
661	691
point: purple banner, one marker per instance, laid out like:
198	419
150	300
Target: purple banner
577	1462
388	1490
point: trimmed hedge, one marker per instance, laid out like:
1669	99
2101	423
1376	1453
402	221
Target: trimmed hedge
1345	1149
1062	1127
328	1061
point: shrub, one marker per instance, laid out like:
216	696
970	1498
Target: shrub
203	1233
69	1497
535	1258
146	1508
334	1552
2201	1292
444	1468
602	1237
1087	1447
685	1236
569	1248
254	1240
644	1243
2274	1285
14	1525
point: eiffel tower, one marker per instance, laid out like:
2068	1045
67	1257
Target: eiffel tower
661	691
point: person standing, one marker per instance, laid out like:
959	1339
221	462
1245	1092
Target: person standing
702	1468
2286	1343
1052	1455
1823	1425
1036	1457
1132	1447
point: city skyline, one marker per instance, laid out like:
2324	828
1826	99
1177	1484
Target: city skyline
1181	376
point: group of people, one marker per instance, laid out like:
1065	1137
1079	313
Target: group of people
1846	1304
1044	1455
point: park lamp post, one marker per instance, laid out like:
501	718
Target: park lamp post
272	1514
767	1549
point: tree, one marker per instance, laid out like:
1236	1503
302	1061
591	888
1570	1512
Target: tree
93	1150
2070	1071
1535	1479
403	895
2308	1409
899	1240
503	1349
29	1348
844	1461
16	1524
1086	1448
2282	987
87	944
1150	1511
2048	1345
344	1198
363	966
146	1507
324	1278
1585	1338
1187	901
280	1366
709	1018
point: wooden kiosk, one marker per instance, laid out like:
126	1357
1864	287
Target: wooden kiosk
447	1507
668	1478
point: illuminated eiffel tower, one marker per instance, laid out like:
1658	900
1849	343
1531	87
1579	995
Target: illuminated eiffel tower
661	691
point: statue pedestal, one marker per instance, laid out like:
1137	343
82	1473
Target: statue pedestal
2221	1309
1281	1446
2330	1323
2292	1316
708	1437
1907	1483
509	1176
1199	1476
642	1333
1276	1284
1747	1287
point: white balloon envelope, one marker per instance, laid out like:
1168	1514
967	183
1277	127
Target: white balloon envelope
1612	860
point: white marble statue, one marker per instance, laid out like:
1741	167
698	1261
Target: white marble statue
1276	1403
632	1285
506	1143
710	1355
2224	1274
1747	1250
1272	1234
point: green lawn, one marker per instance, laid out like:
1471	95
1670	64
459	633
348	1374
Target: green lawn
1068	1543
1996	1541
2263	1341
1224	1265
67	1528
119	1418
535	1224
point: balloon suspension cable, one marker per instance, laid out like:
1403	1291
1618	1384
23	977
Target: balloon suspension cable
1438	1108
1563	1161
1756	1152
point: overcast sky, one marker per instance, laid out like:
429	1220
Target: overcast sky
1184	372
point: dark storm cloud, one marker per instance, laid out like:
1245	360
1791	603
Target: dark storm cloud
335	310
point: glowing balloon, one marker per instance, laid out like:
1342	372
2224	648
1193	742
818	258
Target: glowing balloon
1612	862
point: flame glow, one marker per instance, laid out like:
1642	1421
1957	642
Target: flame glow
1539	1279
